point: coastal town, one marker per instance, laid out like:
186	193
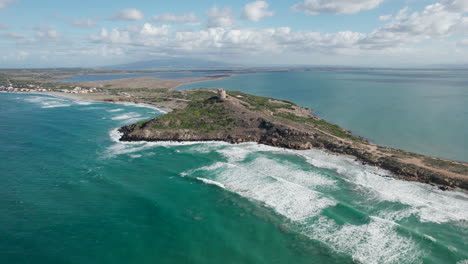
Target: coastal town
31	88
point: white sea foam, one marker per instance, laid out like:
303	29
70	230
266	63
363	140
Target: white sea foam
297	194
126	116
120	147
427	202
115	135
142	105
376	242
48	102
53	101
54	105
286	189
211	182
115	110
293	193
84	102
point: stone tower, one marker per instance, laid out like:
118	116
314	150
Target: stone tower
222	94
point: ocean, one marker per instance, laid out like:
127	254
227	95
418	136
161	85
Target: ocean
71	193
419	111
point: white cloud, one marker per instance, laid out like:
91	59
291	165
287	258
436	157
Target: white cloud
257	10
4	3
400	32
13	35
147	35
46	32
85	23
456	5
437	25
385	17
463	43
314	7
151	30
189	18
218	17
129	14
434	21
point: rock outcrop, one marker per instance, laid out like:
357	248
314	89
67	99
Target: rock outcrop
246	118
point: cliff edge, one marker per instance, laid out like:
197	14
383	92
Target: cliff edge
241	117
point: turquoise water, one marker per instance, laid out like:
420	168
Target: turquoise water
159	75
420	111
71	193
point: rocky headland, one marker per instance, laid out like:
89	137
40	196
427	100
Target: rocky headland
209	116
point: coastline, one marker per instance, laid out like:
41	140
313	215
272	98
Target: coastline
293	127
411	168
212	78
76	97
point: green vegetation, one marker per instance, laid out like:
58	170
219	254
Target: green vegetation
203	116
447	165
141	124
196	95
261	103
320	124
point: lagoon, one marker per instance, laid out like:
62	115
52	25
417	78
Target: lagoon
419	111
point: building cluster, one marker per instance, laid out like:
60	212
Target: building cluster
30	89
78	89
34	89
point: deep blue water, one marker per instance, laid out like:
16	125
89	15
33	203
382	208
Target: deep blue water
71	193
420	111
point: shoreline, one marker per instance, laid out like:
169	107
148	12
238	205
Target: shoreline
412	166
215	78
76	98
285	125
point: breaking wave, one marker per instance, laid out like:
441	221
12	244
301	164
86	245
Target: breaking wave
48	102
303	194
305	186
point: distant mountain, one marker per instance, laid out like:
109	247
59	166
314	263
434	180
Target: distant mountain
169	63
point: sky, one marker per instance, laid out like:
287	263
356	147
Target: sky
382	33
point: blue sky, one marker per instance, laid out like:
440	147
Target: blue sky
52	33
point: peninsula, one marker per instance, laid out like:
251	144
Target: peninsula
235	117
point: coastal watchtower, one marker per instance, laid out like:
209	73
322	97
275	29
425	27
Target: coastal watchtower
221	94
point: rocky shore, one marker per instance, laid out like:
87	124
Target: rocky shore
247	118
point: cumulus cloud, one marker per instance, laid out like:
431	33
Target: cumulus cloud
129	14
463	43
385	17
85	23
434	21
147	35
189	18
151	30
314	7
257	10
399	35
46	32
456	5
13	35
4	3
402	29
218	17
